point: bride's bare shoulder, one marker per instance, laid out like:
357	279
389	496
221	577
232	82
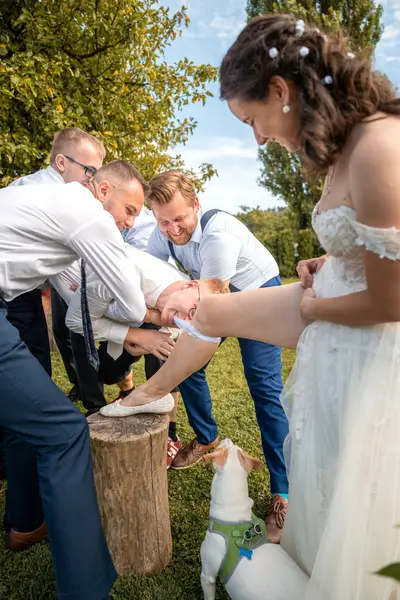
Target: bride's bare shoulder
375	143
374	174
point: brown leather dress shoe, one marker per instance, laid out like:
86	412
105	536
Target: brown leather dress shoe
18	541
191	454
275	519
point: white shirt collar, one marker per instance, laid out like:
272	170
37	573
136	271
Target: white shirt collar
196	237
54	174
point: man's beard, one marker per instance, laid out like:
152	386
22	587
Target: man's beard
182	239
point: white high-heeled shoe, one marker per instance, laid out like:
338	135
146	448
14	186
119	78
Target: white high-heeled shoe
161	406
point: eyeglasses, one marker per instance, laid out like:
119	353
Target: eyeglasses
89	171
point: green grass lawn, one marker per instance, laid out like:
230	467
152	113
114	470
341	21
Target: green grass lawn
28	575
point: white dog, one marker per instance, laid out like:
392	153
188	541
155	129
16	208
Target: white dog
235	545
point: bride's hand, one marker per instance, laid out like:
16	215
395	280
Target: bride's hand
306	306
307	268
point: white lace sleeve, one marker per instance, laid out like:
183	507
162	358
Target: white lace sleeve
382	241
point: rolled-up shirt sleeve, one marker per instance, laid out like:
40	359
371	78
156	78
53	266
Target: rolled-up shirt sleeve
101	246
219	252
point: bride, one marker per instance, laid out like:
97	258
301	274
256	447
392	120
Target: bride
307	91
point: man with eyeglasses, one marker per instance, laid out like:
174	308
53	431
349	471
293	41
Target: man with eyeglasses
75	156
43	231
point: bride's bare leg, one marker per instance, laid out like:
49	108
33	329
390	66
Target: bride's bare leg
269	315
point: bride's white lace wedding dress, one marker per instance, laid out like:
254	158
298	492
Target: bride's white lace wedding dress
343	400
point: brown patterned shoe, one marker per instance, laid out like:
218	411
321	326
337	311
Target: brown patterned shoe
17	541
275	519
191	454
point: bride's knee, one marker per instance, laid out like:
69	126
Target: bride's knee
206	315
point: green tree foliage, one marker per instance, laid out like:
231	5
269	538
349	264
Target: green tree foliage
282	173
275	229
307	243
99	65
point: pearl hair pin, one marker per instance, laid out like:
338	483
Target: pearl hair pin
300	27
327	80
304	51
273	52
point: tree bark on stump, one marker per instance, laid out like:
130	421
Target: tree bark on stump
129	463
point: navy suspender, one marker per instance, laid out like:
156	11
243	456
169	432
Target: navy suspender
203	224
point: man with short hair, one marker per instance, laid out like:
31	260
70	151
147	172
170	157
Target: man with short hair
75	156
42	233
163	288
215	244
91	383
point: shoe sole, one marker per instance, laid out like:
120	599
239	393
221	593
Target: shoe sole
194	463
188	466
148	412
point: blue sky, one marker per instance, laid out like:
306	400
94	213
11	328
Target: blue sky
219	138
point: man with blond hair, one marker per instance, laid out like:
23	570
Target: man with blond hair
216	244
75	156
165	289
45	229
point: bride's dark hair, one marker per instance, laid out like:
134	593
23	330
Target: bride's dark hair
336	88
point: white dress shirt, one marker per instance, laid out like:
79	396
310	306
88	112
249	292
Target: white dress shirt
44	229
226	249
139	235
44	176
148	274
69	280
47	176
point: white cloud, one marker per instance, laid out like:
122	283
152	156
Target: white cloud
390	59
226	26
390	32
236	186
217	148
238	170
390	5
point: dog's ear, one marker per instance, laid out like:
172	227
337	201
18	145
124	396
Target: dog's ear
248	462
219	457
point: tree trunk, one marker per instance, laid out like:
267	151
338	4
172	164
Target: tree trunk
129	463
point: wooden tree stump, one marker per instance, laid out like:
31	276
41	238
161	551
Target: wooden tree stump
129	463
46	302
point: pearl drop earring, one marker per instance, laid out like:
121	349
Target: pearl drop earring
286	108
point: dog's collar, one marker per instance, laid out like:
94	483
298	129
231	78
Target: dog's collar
241	540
